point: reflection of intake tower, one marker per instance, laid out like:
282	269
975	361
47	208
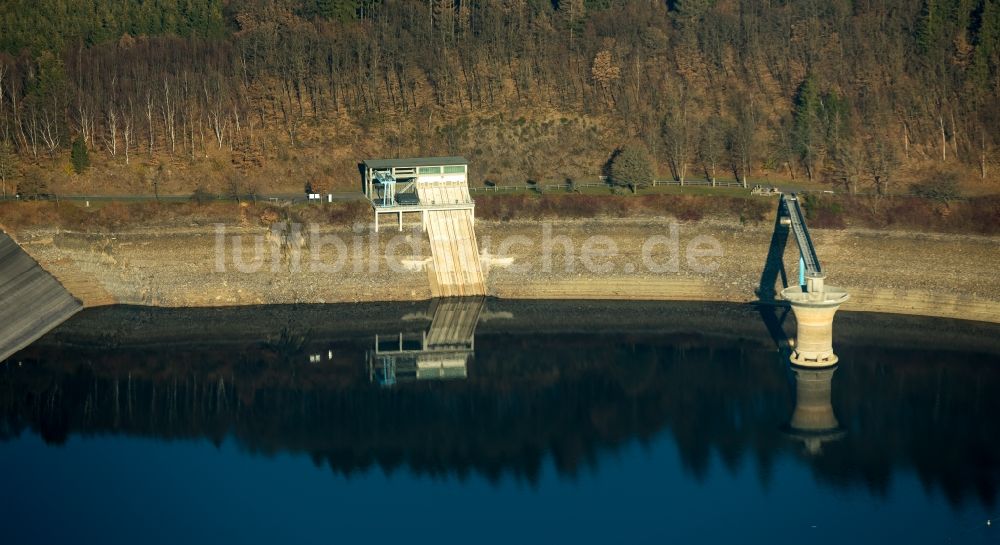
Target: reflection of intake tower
813	420
440	352
813	303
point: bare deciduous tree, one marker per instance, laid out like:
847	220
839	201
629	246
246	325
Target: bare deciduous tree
111	122
168	110
710	147
677	130
605	73
128	126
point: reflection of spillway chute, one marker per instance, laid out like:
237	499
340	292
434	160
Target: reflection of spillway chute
440	352
813	420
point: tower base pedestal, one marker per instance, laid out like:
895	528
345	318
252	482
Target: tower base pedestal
814	309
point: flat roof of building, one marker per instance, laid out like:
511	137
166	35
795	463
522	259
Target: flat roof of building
415	162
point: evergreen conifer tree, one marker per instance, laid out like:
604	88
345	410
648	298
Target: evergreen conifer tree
79	156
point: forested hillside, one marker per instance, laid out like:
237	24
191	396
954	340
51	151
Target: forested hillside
165	95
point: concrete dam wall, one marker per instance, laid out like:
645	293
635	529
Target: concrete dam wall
32	301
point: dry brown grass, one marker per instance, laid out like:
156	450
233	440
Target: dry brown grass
112	216
977	215
337	213
682	207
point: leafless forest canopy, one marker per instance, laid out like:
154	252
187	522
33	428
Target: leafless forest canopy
851	92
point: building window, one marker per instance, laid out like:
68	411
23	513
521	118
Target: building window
429	170
455	169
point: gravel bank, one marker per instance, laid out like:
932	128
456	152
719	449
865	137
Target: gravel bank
639	259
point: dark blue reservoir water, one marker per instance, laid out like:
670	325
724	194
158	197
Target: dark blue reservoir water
498	422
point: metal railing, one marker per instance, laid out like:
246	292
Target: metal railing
570	187
806	249
260	197
699	183
432	202
535	187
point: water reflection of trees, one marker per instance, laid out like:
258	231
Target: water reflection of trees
572	398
